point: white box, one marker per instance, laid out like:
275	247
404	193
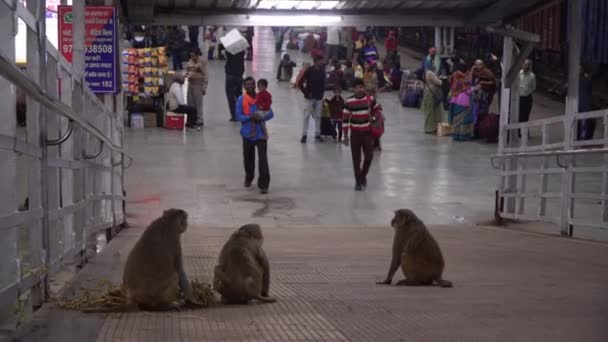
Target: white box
234	42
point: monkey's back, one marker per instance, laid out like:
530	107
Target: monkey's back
421	257
237	262
150	274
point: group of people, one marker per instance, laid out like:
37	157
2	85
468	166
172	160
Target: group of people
469	96
470	93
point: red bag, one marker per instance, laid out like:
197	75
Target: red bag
376	120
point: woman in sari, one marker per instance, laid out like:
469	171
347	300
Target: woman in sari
460	114
484	82
431	102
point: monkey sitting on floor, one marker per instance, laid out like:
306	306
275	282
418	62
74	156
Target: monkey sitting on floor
154	271
243	272
418	253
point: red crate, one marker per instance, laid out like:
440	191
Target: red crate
175	121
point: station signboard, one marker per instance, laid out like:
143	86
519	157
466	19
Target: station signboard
101	44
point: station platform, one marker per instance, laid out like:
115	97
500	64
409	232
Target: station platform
328	244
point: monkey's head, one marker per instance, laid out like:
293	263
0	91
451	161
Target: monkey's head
250	231
178	217
403	216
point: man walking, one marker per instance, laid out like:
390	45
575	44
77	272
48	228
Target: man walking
312	85
234	69
254	136
527	86
356	119
176	102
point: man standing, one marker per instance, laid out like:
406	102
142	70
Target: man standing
527	86
333	43
432	62
254	136
234	69
175	46
356	119
176	102
198	79
312	85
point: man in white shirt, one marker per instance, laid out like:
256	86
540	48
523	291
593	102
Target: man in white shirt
176	102
333	43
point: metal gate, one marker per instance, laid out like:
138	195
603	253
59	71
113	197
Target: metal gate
61	176
554	179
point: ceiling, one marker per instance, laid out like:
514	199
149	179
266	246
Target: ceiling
461	11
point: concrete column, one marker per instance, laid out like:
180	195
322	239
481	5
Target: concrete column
451	49
444	40
438	43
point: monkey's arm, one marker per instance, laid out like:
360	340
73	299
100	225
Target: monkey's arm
263	260
396	259
184	284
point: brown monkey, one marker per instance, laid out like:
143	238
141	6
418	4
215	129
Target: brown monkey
243	272
418	253
154	271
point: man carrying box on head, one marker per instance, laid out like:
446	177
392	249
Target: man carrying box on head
176	102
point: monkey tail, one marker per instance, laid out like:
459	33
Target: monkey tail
444	283
251	288
110	309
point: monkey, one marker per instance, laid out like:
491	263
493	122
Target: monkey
418	253
243	272
154	271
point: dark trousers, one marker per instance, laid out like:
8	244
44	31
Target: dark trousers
191	111
176	58
338	127
361	142
234	89
525	107
585	129
249	161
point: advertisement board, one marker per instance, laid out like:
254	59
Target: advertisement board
101	44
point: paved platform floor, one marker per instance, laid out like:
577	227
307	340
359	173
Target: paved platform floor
509	286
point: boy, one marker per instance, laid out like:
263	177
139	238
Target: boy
263	101
336	107
356	119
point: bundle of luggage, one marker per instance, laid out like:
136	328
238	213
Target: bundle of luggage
411	90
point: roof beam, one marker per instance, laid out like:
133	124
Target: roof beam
396	20
503	9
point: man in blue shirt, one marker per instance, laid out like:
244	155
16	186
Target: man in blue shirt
254	135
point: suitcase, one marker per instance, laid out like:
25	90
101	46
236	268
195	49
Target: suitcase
412	96
489	127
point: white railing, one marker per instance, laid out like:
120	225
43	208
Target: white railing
68	162
555	180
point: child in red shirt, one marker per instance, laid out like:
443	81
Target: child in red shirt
263	101
336	107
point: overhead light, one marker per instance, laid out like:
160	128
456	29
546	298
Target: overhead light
295	20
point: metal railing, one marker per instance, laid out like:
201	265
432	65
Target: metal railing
62	175
554	180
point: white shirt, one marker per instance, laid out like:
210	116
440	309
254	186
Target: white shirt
333	35
176	96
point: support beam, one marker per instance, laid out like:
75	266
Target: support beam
502	9
513	72
575	18
346	20
513	33
438	38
